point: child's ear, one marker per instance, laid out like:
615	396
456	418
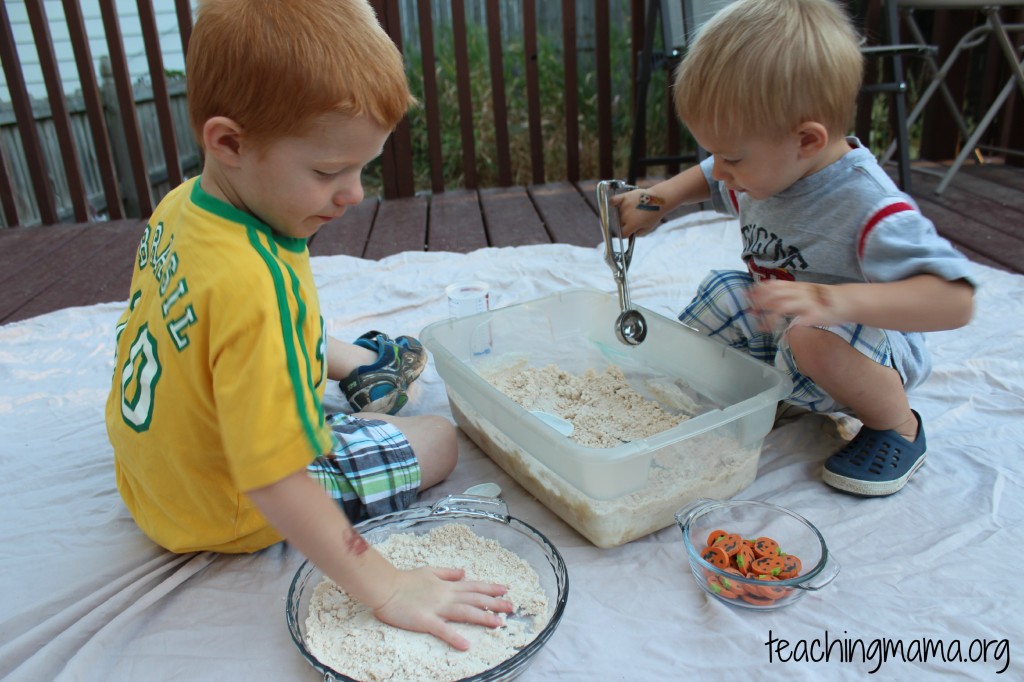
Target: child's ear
813	138
222	139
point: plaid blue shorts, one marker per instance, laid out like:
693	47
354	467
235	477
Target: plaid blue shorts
372	470
721	310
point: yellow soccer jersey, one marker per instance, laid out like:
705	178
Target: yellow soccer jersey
219	375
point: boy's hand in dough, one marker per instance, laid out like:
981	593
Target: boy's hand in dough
426	599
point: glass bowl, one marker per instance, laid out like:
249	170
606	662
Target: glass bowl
751	520
487	517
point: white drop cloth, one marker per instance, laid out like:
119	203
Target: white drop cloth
86	596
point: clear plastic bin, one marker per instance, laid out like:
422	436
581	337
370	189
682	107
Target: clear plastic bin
610	495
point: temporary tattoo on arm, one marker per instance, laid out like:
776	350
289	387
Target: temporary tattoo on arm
355	542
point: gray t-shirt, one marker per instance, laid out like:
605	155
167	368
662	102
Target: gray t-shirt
846	223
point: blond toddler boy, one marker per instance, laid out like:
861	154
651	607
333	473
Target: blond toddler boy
842	272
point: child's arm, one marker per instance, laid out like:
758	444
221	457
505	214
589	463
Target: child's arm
922	303
641	217
423	600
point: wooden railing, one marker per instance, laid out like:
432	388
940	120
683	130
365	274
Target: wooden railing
118	152
85	143
113	149
398	154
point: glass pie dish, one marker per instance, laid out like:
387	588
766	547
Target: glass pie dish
487	518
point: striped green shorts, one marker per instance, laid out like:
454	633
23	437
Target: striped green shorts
372	469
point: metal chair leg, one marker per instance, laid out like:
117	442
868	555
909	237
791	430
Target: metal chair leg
971	144
938	79
994	27
899	100
1003	38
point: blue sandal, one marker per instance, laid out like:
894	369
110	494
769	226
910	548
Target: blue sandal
381	386
876	463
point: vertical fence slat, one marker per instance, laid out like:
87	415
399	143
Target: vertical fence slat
572	109
1011	135
22	106
430	100
396	161
142	195
93	107
940	137
465	94
401	139
604	88
638	29
387	158
495	49
533	90
999	134
673	128
161	100
673	132
869	26
183	9
58	109
641	14
7	193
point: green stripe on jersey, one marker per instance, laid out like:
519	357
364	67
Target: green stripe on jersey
288	332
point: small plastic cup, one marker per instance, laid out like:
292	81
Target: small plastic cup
468	298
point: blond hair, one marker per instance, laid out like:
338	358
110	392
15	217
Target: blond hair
273	66
765	66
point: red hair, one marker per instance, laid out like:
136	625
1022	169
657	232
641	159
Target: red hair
273	66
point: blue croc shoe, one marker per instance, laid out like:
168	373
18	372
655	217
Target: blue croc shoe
381	386
876	463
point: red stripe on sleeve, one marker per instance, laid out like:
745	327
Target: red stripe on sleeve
878	217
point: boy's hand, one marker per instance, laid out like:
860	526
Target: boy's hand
426	599
640	211
423	600
807	304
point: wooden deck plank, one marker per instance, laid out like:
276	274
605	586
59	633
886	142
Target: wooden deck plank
980	218
80	286
44	269
348	234
971	235
996	173
990	210
588	189
119	261
32	281
988	202
22	248
456	223
401	225
98	268
511	218
568	216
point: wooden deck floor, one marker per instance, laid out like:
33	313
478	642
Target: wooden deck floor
44	269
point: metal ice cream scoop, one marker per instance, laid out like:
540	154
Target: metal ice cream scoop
630	326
